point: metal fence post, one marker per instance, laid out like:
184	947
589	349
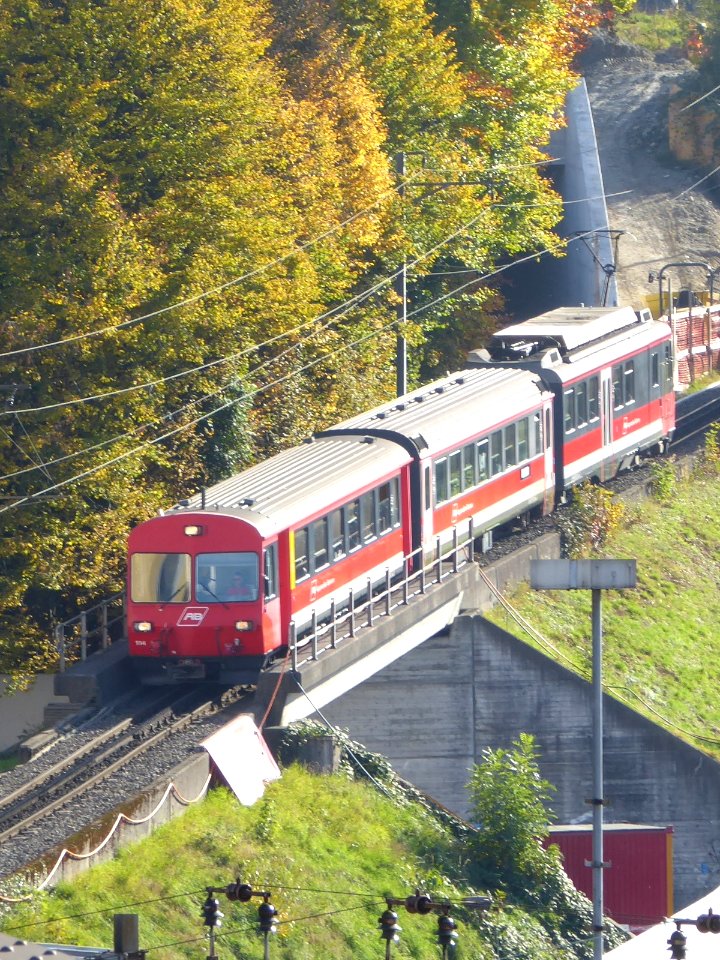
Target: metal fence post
292	640
60	645
422	572
406	581
438	557
456	549
352	612
471	534
314	635
83	635
333	628
388	592
370	602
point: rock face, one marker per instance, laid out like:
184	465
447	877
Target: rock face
667	216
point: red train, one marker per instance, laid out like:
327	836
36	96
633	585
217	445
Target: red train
216	584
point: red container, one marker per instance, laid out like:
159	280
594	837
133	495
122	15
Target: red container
638	885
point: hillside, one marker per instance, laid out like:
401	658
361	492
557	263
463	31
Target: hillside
651	197
659	638
329	850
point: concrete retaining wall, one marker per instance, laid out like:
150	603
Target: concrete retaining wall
435	710
100	842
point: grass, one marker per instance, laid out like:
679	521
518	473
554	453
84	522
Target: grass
329	850
661	640
655	31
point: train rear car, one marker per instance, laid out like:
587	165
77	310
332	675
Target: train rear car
611	370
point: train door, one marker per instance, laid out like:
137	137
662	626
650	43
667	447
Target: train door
426	507
606	423
546	438
271	625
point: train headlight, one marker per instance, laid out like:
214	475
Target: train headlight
142	626
242	626
193	530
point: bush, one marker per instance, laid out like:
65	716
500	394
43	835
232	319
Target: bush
591	519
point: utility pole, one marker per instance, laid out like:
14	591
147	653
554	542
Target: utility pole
595	575
401	291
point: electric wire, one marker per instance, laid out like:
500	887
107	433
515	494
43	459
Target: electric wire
334	729
218	289
339	309
583	672
94	913
20	501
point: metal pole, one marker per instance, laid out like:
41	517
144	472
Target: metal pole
266	946
401	291
597	801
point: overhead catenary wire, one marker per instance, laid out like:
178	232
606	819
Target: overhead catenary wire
339	309
217	289
20	501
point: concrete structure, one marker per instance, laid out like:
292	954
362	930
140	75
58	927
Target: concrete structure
434	711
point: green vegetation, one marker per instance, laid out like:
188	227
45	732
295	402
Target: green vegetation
329	850
655	31
658	638
186	191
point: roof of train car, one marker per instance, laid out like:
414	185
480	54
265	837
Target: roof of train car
442	414
571	327
300	481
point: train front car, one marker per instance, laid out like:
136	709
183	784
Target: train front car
202	598
219	584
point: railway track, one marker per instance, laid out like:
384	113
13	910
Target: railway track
695	413
36	813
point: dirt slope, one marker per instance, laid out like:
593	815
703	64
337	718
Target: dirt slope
664	224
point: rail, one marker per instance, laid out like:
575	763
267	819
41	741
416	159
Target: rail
90	631
348	616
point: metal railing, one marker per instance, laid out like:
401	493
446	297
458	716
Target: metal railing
90	631
343	620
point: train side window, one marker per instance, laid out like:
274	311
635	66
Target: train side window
337	534
496	460
537	434
668	365
483	461
569	398
352	521
523	440
469	466
655	368
302	557
270	571
455	473
617	388
581	407
320	543
509	437
548	430
427	488
385	508
367	512
593	396
395	502
629	382
441	480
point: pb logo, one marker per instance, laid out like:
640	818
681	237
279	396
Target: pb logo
192	616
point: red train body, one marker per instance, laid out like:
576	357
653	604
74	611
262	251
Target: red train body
571	394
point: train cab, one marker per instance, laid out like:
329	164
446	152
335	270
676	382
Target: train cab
202	593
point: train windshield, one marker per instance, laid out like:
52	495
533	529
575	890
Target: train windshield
226	577
160	577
